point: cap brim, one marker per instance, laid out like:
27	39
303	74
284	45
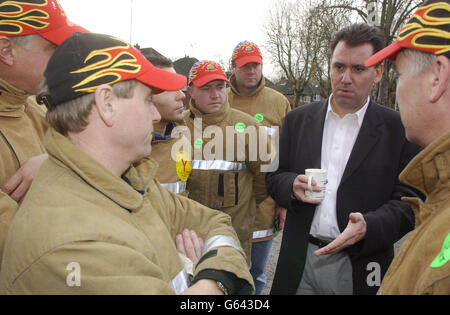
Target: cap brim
162	80
208	78
59	35
244	60
390	52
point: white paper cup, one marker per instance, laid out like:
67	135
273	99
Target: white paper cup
320	176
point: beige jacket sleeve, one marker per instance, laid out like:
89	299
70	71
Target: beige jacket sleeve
8	208
100	268
222	246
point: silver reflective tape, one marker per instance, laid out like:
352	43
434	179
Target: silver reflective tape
263	234
271	131
218	165
176	188
219	241
181	282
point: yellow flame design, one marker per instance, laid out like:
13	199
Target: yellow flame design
416	31
112	64
19	18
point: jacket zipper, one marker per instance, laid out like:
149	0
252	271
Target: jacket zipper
11	148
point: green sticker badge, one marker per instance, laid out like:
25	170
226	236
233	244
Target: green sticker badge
240	127
444	255
198	143
259	118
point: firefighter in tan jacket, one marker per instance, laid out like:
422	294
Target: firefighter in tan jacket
249	94
224	167
94	223
25	47
173	162
422	63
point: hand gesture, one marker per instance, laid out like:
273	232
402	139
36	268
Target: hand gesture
353	233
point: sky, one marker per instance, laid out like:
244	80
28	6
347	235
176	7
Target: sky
204	29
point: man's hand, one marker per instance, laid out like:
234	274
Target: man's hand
190	244
353	233
17	186
204	287
299	187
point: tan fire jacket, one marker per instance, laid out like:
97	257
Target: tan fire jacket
173	167
83	230
268	107
22	128
422	265
225	182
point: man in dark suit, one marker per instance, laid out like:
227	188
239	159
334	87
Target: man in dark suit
343	244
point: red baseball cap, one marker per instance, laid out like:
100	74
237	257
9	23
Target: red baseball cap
246	52
85	61
428	30
203	72
43	17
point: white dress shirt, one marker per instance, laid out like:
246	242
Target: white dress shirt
339	137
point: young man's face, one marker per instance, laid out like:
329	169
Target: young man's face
170	103
209	98
249	75
351	80
134	130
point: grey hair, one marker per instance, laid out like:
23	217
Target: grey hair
421	60
72	115
23	41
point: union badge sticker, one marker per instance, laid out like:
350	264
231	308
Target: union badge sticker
184	165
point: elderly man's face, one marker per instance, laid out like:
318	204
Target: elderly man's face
32	61
412	97
135	119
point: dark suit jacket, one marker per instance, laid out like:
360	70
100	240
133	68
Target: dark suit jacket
369	185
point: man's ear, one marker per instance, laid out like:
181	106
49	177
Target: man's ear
379	73
189	90
104	97
232	69
441	73
6	51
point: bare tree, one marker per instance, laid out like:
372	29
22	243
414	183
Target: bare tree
389	16
298	35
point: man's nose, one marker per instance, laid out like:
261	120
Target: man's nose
251	70
180	96
156	115
347	76
214	93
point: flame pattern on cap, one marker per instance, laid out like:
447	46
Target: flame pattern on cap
203	66
114	65
428	29
28	17
15	15
245	48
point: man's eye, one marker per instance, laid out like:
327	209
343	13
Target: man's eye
359	69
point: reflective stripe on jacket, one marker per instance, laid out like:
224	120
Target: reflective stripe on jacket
268	107
226	185
83	230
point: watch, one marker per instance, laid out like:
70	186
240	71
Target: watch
222	287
